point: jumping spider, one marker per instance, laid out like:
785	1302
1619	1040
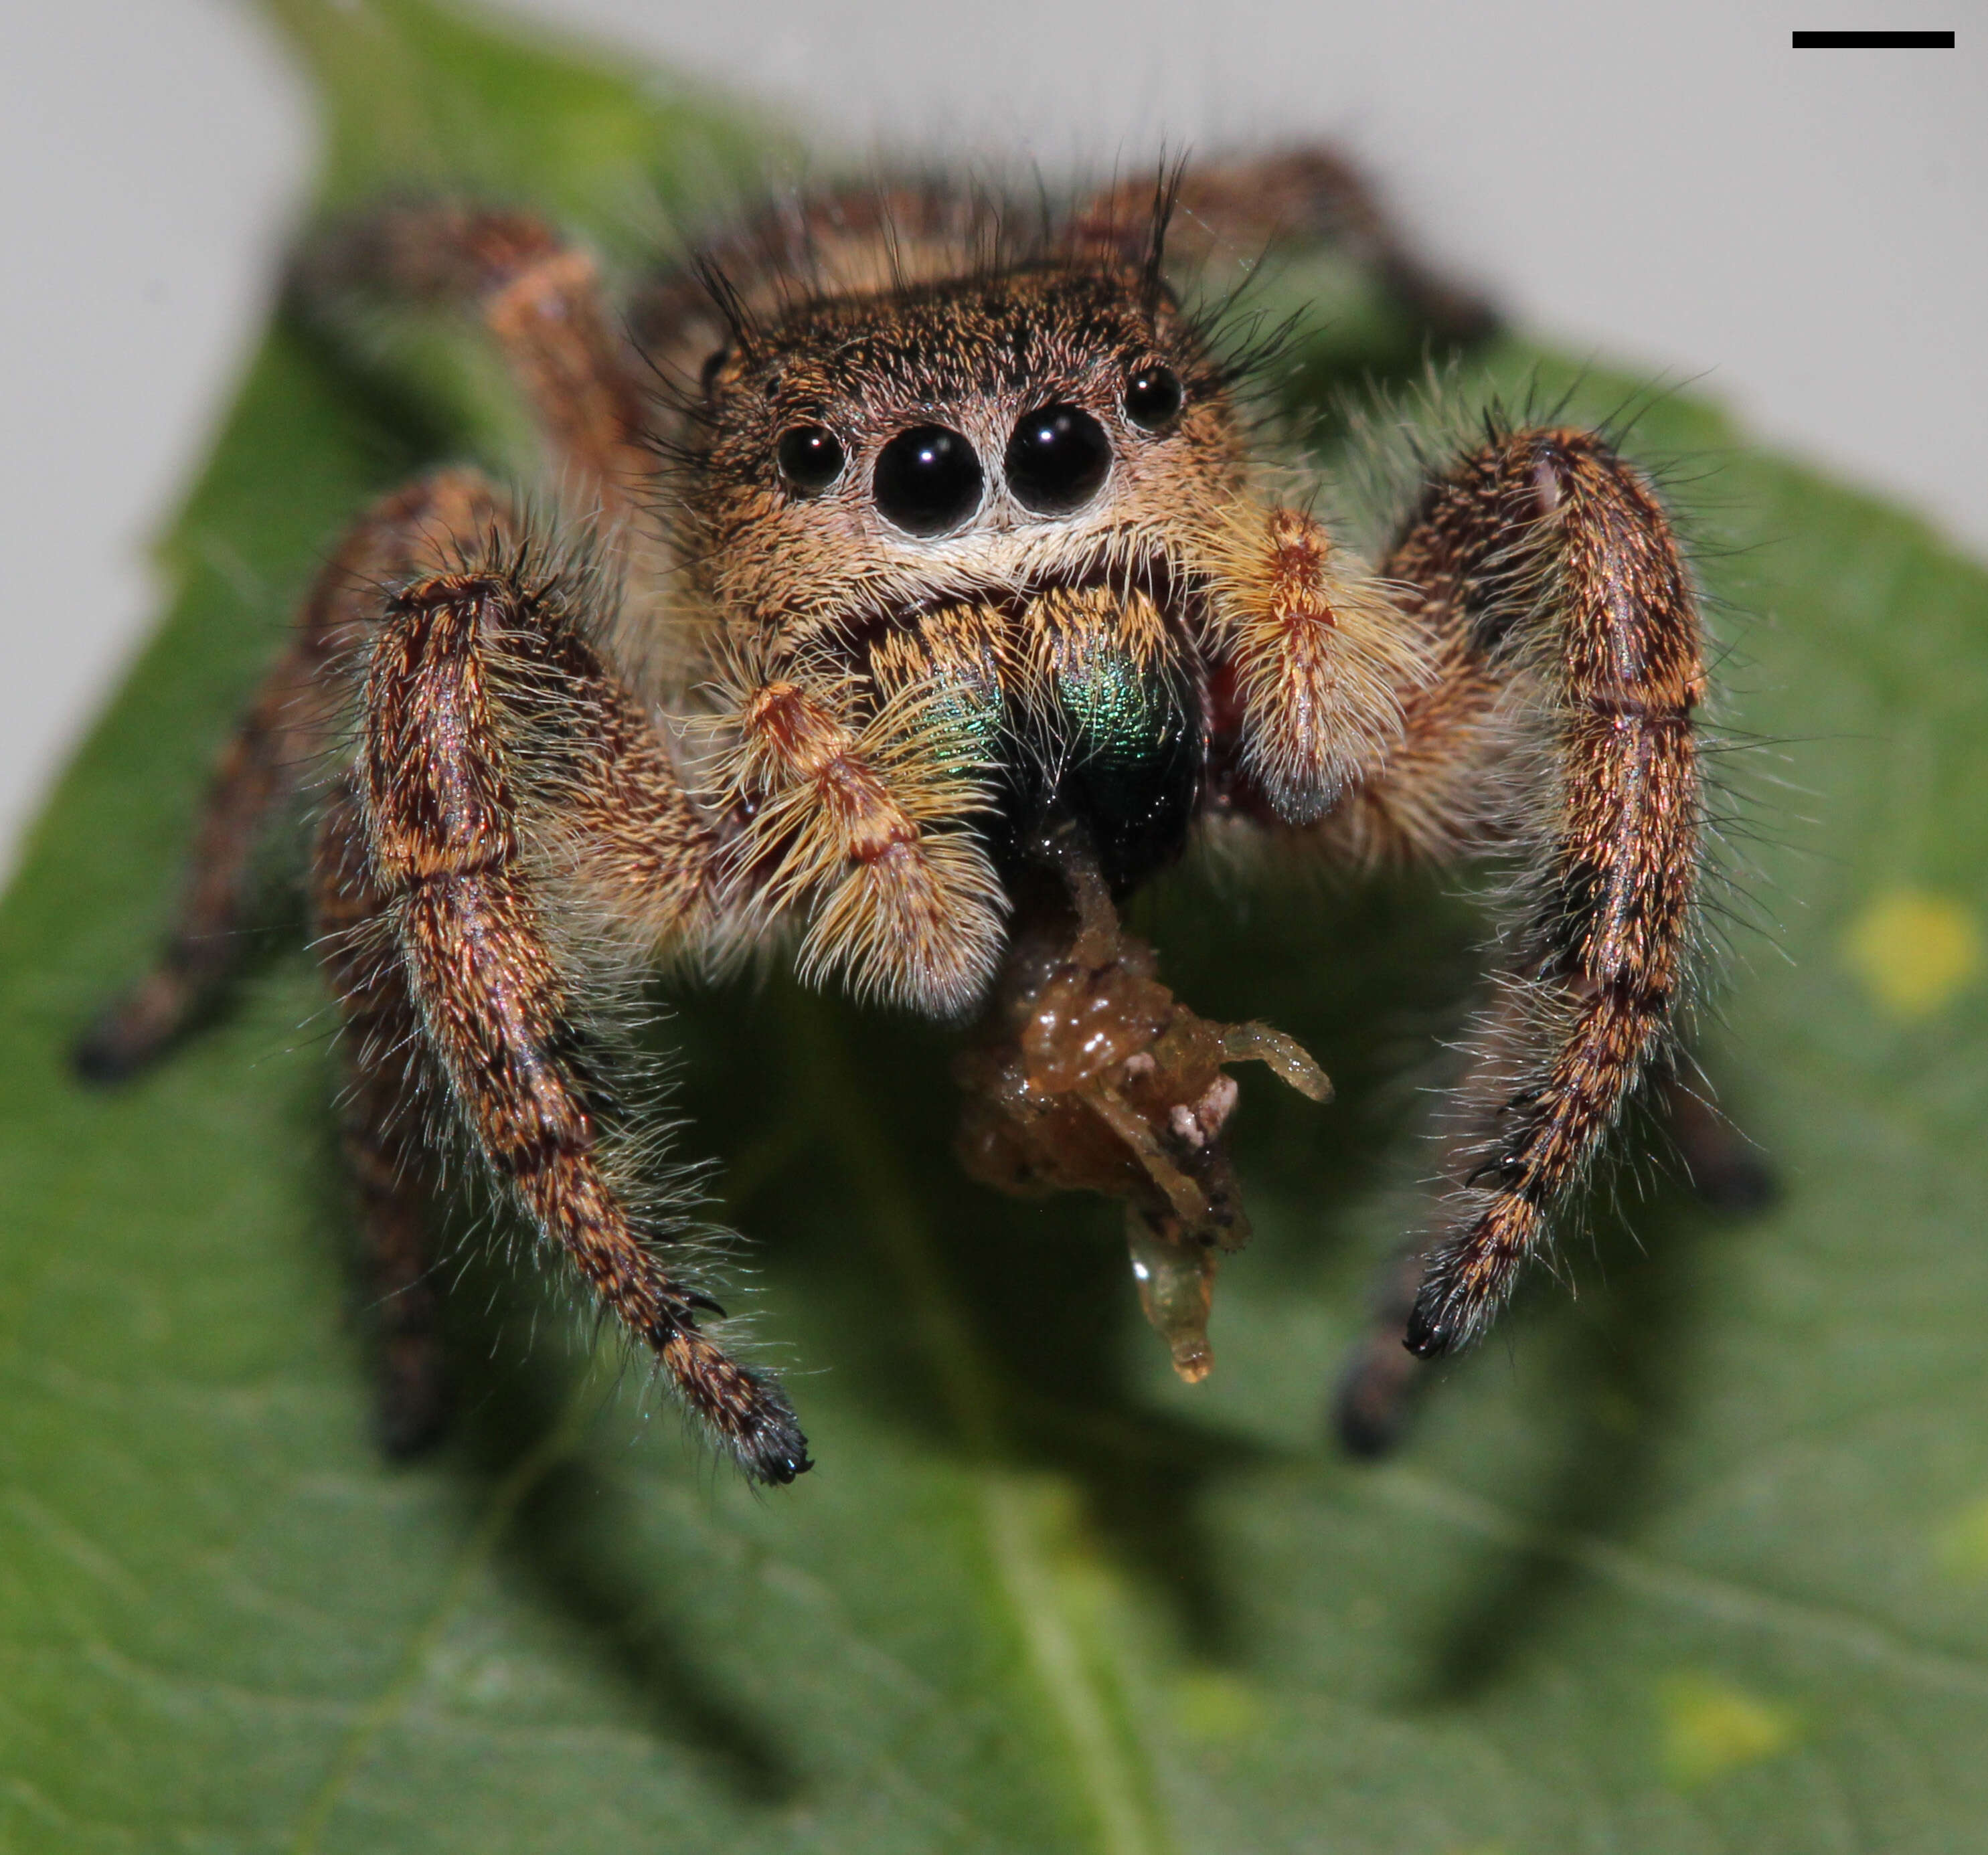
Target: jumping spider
933	600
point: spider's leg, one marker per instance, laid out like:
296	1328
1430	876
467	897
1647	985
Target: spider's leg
856	804
539	296
1543	578
278	746
517	802
1229	212
390	1098
1725	1169
1382	1380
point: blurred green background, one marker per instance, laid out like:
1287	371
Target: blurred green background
1697	1558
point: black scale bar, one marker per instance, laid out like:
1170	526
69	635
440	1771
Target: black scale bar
1874	41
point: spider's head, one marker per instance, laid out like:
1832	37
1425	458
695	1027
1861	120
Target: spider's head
866	457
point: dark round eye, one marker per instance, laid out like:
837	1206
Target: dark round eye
928	480
1153	398
1056	460
810	458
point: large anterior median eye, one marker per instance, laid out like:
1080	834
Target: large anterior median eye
928	480
1057	459
810	458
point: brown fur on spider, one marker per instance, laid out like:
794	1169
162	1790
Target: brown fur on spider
939	540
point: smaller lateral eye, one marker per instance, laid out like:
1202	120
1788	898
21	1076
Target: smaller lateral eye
810	458
1153	397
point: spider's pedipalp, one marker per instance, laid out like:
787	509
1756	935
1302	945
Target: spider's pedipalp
1321	659
853	820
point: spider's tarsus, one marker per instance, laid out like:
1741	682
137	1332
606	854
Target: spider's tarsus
1438	1325
1740	1184
778	1452
139	1026
1375	1398
1723	1168
412	1415
100	1059
112	1051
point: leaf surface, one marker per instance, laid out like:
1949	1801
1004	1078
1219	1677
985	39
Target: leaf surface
1698	1560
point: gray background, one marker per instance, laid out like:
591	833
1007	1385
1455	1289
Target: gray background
1670	186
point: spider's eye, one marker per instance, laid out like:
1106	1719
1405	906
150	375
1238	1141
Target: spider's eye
1153	398
1057	459
810	458
928	480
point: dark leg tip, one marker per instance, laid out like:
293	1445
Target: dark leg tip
415	1407
135	1030
778	1469
100	1058
1724	1169
776	1452
1740	1184
1375	1401
1432	1330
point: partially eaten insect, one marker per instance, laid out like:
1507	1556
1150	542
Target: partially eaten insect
924	593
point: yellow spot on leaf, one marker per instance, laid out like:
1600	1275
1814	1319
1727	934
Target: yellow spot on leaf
1962	1546
1710	1728
1915	950
1216	1708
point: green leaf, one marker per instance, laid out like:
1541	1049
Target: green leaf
1697	1560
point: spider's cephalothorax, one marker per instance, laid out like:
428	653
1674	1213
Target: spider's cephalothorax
979	497
935	551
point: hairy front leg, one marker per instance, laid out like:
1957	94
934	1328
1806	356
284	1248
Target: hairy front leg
486	713
280	745
1545	576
